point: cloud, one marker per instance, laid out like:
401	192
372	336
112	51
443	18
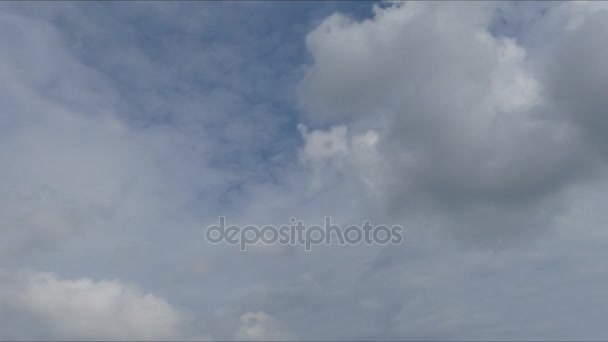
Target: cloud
258	326
87	309
464	121
576	80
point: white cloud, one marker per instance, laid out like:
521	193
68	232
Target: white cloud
88	309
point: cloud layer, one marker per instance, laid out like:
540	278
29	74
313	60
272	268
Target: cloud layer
127	128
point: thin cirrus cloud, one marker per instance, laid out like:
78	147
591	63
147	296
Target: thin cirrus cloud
126	128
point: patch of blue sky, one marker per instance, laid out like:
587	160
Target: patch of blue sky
222	62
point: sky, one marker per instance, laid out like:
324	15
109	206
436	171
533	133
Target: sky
128	128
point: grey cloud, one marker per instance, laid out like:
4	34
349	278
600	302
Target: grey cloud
577	80
465	123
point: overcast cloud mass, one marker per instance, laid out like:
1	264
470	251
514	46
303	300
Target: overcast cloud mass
128	128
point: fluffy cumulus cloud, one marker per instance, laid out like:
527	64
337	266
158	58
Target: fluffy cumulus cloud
83	308
127	128
469	122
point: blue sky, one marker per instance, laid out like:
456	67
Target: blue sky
127	128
